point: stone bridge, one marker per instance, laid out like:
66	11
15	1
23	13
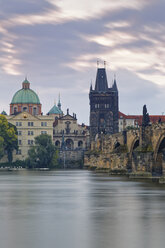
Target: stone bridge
134	150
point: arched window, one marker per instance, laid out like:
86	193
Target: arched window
57	143
80	144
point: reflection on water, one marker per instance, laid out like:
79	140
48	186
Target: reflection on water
79	209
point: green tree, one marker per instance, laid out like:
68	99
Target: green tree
1	147
9	134
43	153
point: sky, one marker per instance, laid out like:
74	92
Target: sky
56	44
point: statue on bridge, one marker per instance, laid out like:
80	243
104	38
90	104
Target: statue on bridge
145	123
146	118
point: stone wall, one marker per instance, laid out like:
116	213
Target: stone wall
71	158
142	161
110	162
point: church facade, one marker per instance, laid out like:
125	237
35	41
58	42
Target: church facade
103	106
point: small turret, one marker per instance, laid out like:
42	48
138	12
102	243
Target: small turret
91	87
114	87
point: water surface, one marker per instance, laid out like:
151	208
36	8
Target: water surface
79	209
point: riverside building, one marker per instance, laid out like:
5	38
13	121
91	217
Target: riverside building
26	114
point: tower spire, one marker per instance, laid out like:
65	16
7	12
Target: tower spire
101	80
59	103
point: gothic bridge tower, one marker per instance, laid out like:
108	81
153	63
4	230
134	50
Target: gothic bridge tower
103	106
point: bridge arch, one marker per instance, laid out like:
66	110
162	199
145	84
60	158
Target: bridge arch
159	156
135	143
156	150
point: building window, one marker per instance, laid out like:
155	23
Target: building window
67	127
30	133
57	143
44	124
34	111
30	142
19	133
18	152
19	142
80	144
30	124
43	132
15	110
107	105
24	109
18	124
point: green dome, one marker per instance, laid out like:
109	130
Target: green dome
25	95
54	110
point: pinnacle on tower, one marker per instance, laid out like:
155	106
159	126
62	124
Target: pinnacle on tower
91	87
114	87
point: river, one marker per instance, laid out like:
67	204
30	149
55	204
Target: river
79	209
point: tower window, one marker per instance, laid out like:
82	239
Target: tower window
97	105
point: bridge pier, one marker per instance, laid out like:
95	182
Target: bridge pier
163	168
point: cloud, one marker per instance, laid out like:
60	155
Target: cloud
85	9
57	43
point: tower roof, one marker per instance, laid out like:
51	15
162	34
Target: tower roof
101	80
54	110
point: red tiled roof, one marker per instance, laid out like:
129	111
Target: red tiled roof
138	118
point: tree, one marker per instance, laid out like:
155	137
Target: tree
9	134
43	153
1	147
